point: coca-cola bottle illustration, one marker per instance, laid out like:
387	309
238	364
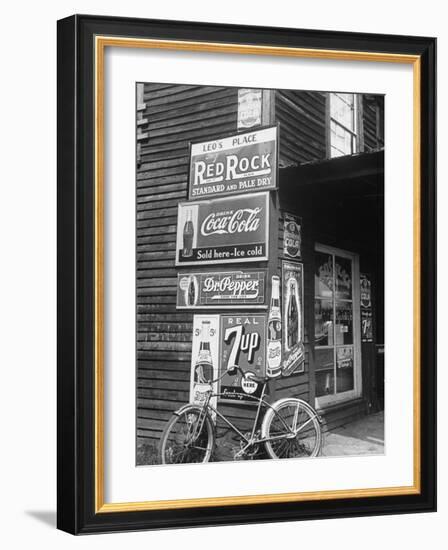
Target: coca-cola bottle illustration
292	316
203	370
188	234
274	352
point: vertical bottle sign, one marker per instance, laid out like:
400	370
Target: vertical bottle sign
366	309
274	347
292	291
204	357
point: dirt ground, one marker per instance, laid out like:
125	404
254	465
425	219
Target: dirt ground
362	437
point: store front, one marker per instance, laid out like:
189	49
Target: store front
341	204
329	265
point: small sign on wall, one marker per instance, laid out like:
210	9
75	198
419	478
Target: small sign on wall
292	236
366	309
249	108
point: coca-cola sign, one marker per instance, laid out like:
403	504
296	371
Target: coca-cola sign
225	230
221	289
241	163
243	344
293	355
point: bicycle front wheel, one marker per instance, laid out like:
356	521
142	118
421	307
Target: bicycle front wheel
188	437
292	430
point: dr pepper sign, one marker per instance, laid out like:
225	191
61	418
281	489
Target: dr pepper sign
241	163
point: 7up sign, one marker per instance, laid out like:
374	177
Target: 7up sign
243	344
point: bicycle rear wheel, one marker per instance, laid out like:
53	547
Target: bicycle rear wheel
188	437
293	429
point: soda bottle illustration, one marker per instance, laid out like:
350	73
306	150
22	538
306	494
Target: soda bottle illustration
190	292
188	234
274	348
203	371
292	316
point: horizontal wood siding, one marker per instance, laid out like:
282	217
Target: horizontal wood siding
175	116
373	112
301	115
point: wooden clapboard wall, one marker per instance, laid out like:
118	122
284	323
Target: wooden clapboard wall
373	113
302	116
174	115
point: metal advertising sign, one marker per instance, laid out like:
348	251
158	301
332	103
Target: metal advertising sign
224	290
366	309
249	108
293	357
204	357
243	343
366	291
366	326
241	163
292	236
230	229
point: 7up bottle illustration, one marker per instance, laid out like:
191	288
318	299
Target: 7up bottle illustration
204	363
274	351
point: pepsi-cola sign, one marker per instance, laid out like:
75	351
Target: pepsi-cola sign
292	236
224	290
225	230
241	163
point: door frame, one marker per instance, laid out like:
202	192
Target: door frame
328	400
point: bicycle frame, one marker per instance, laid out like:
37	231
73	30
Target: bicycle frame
251	439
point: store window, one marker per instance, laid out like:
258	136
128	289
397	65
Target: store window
343	127
336	318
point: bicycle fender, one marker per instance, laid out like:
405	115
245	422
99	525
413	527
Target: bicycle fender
179	411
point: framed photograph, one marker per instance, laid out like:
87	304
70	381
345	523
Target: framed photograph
246	274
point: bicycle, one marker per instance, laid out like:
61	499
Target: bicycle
290	428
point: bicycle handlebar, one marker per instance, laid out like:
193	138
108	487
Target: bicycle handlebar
232	370
252	376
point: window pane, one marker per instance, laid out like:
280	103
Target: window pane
323	322
324	371
343	278
344	323
344	369
323	277
342	109
342	124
